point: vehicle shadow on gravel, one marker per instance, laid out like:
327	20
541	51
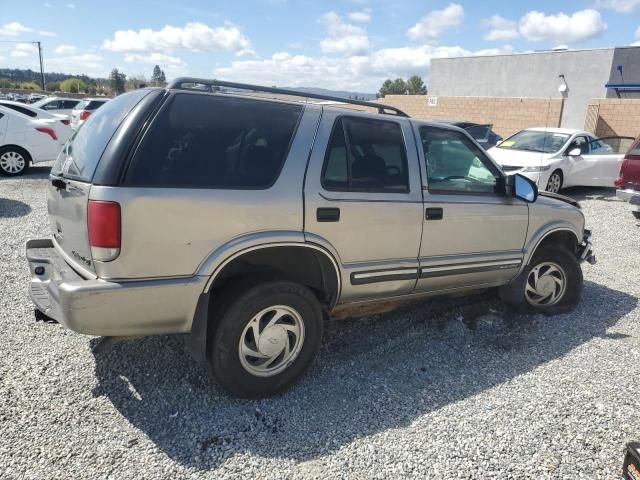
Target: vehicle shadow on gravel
34	173
373	374
591	193
10	208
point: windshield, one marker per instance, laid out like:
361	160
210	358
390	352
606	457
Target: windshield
535	141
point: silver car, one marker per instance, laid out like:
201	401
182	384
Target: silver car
243	221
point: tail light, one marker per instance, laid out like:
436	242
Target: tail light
103	224
84	114
49	131
620	181
65	122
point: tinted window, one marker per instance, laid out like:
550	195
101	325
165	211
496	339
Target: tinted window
365	155
82	153
69	104
24	111
455	164
535	141
94	104
215	142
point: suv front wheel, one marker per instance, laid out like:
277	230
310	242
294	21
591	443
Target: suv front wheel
551	283
265	338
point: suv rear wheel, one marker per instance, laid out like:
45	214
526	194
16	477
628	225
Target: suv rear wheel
551	283
265	338
13	161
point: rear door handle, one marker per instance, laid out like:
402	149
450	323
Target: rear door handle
328	214
433	214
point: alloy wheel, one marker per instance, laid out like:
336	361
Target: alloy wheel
546	284
555	182
271	341
12	162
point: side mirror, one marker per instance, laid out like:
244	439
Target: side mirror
576	152
521	187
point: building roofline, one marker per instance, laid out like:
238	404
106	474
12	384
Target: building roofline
538	52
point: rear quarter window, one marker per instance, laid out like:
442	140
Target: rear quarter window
24	111
212	141
80	157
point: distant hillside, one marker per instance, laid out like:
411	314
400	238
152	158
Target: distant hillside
335	93
28	75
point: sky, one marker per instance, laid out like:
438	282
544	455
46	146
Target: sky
336	44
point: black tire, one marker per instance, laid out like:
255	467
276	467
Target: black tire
17	151
515	292
557	172
636	214
239	308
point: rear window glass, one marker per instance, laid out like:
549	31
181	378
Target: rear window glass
207	141
22	110
81	105
80	156
93	104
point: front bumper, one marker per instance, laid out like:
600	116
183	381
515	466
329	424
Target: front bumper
585	249
631	196
110	308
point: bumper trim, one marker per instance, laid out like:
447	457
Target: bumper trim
109	308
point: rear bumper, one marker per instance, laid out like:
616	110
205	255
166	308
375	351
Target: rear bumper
100	307
631	196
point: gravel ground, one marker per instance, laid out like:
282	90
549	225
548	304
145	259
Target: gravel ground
449	388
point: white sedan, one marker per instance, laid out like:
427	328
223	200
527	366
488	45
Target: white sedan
556	158
25	140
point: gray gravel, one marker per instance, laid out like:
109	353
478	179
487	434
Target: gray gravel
449	388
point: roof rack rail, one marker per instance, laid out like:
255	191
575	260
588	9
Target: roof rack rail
179	83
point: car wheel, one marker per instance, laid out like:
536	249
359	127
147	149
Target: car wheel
13	161
636	214
264	338
555	182
551	283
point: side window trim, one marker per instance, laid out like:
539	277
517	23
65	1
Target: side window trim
350	189
483	157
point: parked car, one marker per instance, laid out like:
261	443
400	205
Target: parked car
242	221
59	105
482	133
556	158
25	140
63	128
84	109
35	97
628	182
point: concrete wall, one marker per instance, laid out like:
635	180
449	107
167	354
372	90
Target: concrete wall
629	58
614	117
508	115
529	75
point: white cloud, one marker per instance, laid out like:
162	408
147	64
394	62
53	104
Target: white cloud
362	16
87	63
195	37
582	25
155	59
343	38
637	43
13	29
357	73
24	50
65	50
624	6
501	29
433	25
45	33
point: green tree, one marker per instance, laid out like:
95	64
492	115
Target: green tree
118	80
415	86
393	87
158	77
73	85
29	86
53	86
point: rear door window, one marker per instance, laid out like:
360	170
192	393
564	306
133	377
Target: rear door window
207	141
81	155
366	155
94	104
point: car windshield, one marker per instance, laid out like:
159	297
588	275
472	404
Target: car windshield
535	141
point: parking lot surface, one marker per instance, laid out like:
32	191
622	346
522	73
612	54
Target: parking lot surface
445	388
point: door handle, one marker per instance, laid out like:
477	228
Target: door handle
433	214
328	214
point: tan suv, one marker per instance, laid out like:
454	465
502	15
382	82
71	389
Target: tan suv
209	210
